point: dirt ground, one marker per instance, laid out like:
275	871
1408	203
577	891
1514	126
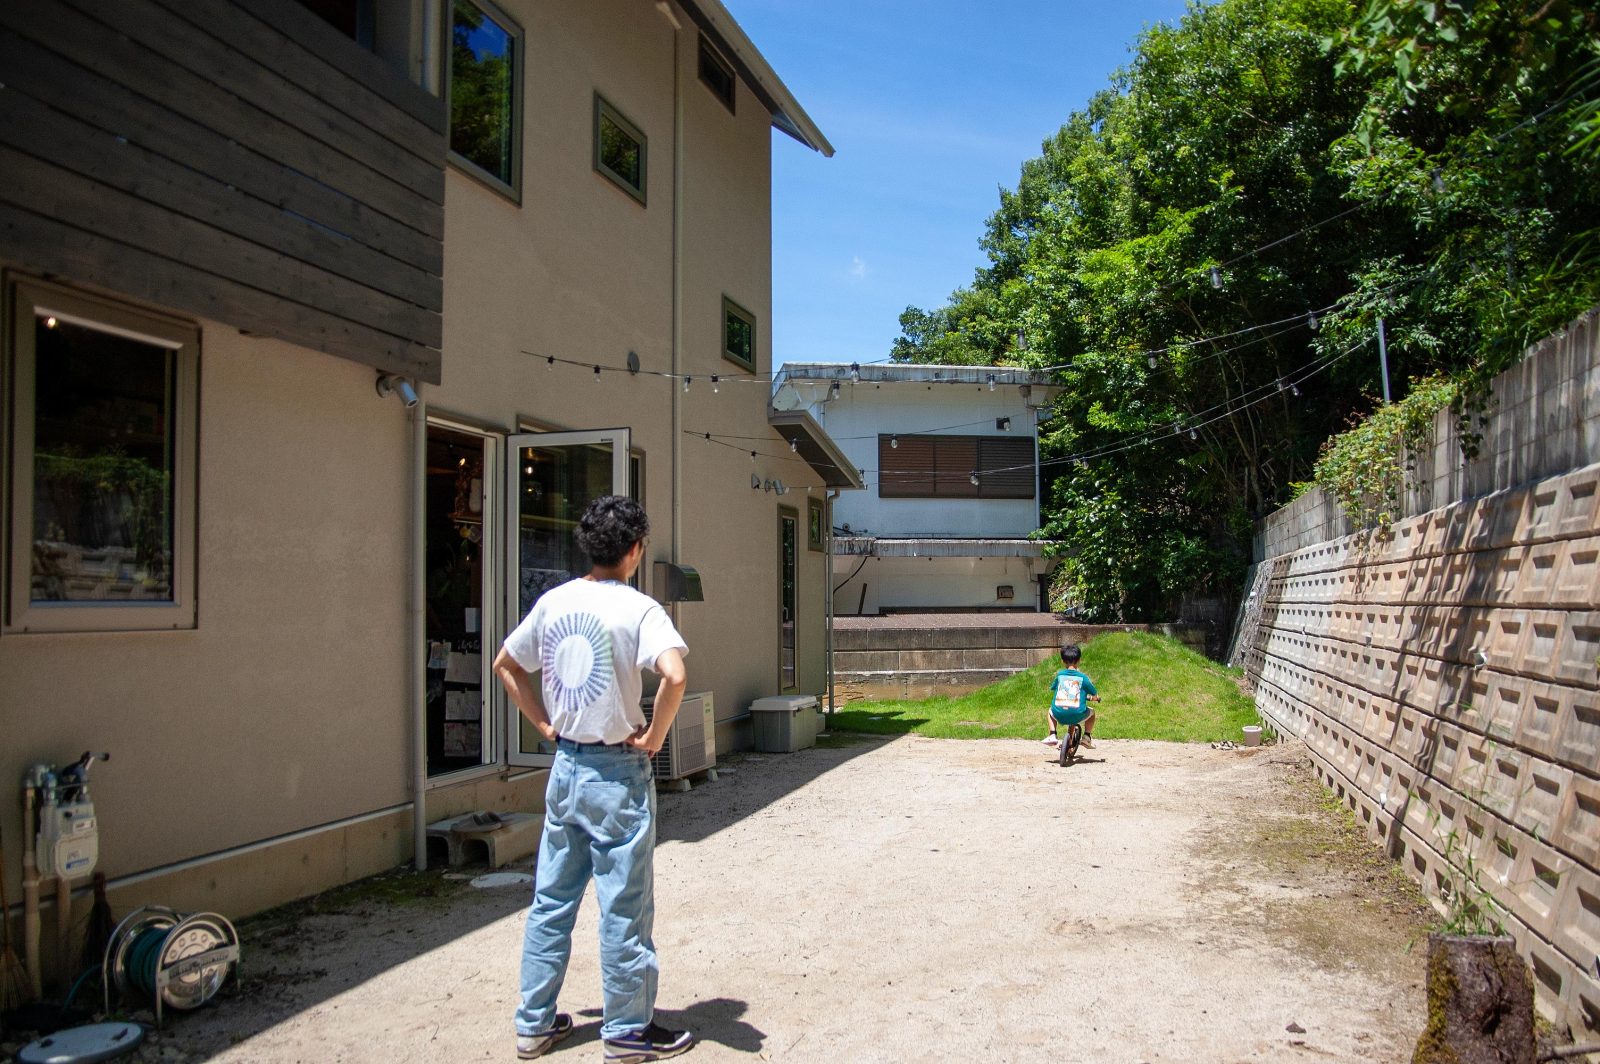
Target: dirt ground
902	900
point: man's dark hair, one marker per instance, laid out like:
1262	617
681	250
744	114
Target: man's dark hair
609	528
1070	654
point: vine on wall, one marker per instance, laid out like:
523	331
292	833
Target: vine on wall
1365	468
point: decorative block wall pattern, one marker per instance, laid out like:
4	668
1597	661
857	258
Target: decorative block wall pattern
1446	675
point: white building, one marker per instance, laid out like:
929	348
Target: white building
950	459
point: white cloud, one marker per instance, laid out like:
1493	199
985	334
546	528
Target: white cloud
858	267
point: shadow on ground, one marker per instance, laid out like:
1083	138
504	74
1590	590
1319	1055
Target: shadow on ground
747	783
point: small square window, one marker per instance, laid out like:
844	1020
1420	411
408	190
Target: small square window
738	334
102	492
717	74
485	89
619	149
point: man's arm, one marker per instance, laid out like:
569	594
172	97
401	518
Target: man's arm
525	694
669	696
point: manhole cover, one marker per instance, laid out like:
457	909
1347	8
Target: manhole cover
83	1045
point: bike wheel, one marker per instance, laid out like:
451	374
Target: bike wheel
1069	745
1062	754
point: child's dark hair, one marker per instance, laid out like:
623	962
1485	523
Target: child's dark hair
609	528
1070	654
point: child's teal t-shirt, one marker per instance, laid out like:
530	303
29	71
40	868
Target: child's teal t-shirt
1068	694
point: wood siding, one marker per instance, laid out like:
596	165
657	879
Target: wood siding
238	160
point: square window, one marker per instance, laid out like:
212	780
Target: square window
102	499
738	334
485	93
619	149
717	74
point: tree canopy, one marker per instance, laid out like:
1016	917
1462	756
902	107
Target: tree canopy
1201	255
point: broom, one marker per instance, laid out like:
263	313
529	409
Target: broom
16	988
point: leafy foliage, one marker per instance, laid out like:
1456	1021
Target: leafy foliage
1423	162
1365	468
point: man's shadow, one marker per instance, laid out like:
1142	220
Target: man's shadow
716	1020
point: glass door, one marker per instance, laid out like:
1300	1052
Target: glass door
788	596
551	478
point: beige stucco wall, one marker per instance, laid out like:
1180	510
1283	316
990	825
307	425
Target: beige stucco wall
284	708
582	271
287	709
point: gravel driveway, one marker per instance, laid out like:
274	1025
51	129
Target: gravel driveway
906	900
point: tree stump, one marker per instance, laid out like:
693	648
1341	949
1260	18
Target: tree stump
1480	1003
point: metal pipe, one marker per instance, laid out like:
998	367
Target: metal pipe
30	889
1383	359
417	658
827	603
677	287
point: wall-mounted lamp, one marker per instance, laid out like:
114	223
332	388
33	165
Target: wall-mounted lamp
391	384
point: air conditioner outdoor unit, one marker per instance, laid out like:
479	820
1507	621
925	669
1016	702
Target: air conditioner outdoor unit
691	744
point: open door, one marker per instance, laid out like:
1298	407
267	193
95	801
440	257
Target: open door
551	478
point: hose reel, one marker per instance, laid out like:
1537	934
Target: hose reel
174	960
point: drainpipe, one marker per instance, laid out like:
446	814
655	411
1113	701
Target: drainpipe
418	695
677	281
827	602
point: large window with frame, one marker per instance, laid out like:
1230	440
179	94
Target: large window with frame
738	334
485	93
102	416
928	467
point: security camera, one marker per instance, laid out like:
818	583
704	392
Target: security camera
390	384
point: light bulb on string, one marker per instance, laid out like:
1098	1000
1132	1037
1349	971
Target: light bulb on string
550	362
1294	389
855	372
1438	180
794	445
1216	277
1152	361
597	374
686	381
752	456
1311	319
894	443
833	392
714	387
1193	435
991	382
974	478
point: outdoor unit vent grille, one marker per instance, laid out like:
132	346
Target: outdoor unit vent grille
691	744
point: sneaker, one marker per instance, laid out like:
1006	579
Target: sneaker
1050	740
535	1045
1088	741
649	1043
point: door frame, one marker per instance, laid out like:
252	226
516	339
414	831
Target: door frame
510	575
789	513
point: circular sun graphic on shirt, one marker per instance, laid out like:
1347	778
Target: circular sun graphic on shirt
577	661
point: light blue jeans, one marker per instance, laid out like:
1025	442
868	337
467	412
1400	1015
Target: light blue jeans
600	821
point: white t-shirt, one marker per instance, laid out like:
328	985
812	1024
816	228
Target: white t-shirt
589	639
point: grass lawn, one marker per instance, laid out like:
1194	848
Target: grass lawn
1151	687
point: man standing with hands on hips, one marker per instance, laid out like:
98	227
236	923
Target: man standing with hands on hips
572	667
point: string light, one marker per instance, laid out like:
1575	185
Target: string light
752	456
794	445
597	374
50	322
974	478
714	380
833	392
1311	320
1193	435
686	382
991	382
550	363
855	373
894	443
1152	361
1216	277
1438	180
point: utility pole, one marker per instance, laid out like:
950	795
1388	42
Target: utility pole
1383	360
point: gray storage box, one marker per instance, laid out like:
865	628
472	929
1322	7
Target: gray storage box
784	723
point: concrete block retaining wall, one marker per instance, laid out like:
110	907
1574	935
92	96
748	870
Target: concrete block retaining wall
916	656
1446	675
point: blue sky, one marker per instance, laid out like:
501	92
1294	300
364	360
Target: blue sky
931	105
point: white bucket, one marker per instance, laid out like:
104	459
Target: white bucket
1252	735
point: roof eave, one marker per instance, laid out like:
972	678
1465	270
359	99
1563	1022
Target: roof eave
715	22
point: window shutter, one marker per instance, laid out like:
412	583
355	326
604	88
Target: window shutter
1012	457
906	471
